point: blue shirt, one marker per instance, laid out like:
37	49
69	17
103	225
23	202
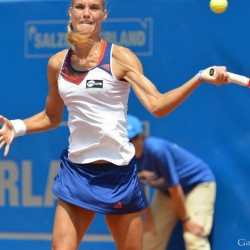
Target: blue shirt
165	164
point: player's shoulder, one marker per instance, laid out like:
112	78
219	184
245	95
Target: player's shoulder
126	58
56	60
121	49
123	53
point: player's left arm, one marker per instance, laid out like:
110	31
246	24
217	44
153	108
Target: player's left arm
127	66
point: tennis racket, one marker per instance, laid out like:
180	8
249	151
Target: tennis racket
235	78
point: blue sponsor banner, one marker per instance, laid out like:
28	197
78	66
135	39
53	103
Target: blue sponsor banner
174	40
135	33
45	37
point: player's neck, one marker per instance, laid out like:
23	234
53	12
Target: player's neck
92	48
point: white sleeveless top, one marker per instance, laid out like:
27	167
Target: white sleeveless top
97	110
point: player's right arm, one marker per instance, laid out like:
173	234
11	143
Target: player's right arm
51	116
45	120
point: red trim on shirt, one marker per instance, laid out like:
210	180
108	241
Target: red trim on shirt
78	79
103	49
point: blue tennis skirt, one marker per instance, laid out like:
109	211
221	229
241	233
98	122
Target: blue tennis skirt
102	188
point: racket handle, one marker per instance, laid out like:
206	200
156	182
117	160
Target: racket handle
235	78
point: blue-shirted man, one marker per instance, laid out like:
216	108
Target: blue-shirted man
185	190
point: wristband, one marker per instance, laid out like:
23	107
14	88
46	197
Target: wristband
19	126
185	220
200	77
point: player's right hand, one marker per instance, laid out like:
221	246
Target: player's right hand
7	134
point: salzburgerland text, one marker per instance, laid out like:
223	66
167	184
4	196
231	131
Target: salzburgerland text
17	185
44	38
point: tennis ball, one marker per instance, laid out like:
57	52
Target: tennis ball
218	6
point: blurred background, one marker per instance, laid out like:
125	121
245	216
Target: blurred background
174	39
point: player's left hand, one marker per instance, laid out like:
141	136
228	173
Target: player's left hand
221	77
7	134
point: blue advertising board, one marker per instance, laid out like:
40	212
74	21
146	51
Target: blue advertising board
174	39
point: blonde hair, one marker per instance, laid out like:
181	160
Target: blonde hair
75	38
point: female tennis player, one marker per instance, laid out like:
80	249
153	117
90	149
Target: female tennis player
98	169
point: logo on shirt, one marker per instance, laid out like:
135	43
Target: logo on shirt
94	84
106	66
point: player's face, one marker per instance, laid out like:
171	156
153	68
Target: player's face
87	16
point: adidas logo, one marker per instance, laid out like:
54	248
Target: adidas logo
118	205
106	66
